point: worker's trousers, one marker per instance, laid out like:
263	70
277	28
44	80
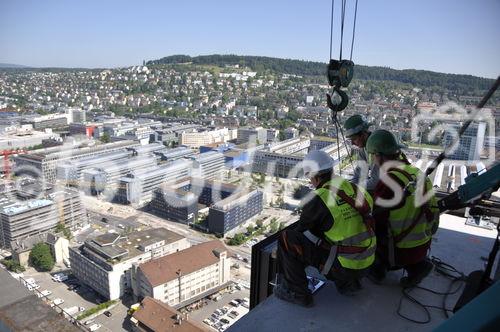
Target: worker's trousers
296	252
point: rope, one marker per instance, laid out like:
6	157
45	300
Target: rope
354	28
342	18
331	28
447	271
337	125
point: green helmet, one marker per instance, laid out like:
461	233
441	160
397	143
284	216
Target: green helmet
355	124
382	142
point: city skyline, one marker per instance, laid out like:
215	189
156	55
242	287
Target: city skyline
118	34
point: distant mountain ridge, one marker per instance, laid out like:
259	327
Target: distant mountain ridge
11	65
422	78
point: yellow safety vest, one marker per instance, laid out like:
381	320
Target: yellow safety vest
402	218
349	230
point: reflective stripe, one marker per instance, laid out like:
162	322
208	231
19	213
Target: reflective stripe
329	262
313	238
355	130
401	220
358	256
348	229
415	236
356	239
400	224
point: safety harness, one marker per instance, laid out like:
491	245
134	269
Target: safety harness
364	210
425	212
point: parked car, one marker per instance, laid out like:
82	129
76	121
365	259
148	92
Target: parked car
234	303
95	327
59	277
107	313
44	293
234	312
57	301
224	320
32	286
208	322
89	322
73	287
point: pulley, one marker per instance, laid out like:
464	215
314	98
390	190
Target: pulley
340	72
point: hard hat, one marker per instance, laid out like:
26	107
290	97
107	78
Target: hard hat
355	124
382	142
317	162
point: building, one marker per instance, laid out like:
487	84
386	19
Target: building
44	161
208	165
179	200
290	146
104	177
69	172
164	136
156	316
175	203
275	164
59	246
234	210
252	135
175	153
185	276
136	188
321	142
21	310
291	133
91	130
272	135
47	121
198	138
14	137
471	142
105	263
24	217
75	115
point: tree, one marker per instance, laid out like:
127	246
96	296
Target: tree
259	223
12	265
237	239
105	138
61	228
250	229
41	257
273	226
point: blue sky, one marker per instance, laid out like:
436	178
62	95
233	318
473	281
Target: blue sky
453	36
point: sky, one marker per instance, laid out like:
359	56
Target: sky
451	36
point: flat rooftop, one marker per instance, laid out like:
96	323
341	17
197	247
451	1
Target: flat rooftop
115	246
375	307
21	310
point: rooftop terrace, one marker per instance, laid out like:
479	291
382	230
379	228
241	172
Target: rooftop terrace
375	307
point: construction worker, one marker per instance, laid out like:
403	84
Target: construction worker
333	234
356	130
404	219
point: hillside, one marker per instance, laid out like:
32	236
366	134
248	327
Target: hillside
11	65
419	78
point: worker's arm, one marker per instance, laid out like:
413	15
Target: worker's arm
372	181
315	217
360	159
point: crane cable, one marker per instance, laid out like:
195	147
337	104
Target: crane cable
335	120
